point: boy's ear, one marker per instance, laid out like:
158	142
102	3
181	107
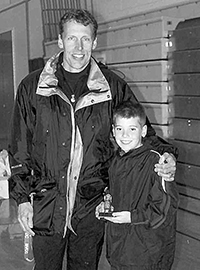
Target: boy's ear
144	131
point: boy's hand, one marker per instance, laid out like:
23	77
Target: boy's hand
120	217
166	167
99	208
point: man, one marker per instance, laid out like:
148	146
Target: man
60	148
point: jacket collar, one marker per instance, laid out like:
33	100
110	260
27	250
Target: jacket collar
48	82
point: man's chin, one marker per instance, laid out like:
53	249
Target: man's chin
76	68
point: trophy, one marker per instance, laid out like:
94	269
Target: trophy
108	208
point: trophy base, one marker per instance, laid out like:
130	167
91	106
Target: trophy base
104	214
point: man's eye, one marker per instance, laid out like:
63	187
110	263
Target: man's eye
71	38
86	39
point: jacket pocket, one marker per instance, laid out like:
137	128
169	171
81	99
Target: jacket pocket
43	209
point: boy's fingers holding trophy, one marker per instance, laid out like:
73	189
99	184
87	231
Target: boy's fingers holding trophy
99	208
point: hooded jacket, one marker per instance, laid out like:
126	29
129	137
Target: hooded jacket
148	242
60	150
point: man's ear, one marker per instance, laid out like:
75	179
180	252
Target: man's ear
94	43
144	131
60	42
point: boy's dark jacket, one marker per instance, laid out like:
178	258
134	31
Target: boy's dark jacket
62	151
148	242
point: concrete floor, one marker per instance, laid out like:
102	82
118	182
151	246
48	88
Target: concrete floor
11	241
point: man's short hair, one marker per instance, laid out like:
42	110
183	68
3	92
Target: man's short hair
80	16
128	109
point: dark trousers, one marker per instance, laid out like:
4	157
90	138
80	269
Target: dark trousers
83	250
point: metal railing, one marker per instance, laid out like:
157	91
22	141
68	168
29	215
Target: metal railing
52	11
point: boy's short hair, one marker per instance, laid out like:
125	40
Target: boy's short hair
80	16
128	109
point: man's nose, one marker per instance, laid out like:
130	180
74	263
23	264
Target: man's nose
79	44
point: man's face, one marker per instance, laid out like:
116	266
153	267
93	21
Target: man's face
128	133
78	42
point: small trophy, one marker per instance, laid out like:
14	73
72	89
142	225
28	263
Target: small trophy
108	208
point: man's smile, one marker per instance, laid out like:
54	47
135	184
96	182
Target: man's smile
79	56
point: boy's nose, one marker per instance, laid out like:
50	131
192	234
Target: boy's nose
125	134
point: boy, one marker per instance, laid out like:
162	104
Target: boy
141	231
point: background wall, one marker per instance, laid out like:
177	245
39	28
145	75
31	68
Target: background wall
111	9
5	3
104	10
14	19
35	30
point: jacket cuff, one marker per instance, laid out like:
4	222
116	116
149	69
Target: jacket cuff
22	200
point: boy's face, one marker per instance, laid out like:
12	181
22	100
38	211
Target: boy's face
128	133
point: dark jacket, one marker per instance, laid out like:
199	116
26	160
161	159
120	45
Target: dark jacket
148	242
61	150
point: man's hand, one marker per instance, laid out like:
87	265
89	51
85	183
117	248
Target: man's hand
25	217
120	217
166	167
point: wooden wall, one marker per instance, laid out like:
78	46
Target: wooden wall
138	52
184	67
